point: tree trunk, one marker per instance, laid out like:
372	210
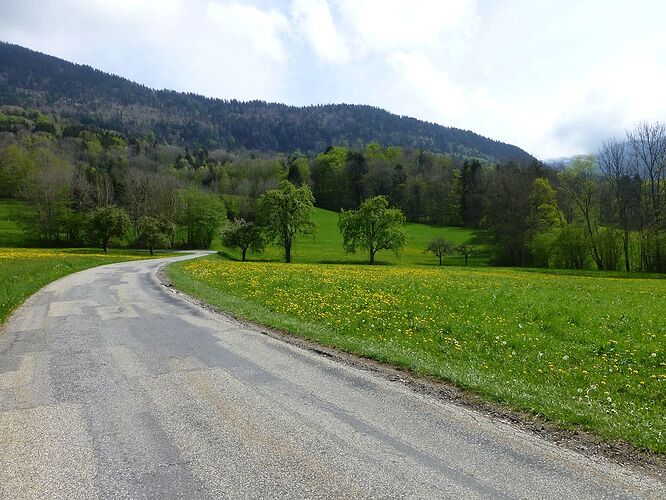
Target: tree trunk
466	257
151	251
243	251
625	242
372	257
658	252
105	244
440	260
287	252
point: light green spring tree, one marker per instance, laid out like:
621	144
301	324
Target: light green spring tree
373	227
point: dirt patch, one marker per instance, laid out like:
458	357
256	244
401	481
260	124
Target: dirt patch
578	440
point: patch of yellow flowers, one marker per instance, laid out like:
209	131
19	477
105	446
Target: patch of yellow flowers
47	253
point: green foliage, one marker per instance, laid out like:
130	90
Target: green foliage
13	123
47	189
155	232
202	215
298	170
44	123
472	197
285	213
16	166
544	205
570	249
440	247
105	223
510	213
329	178
580	185
243	235
373	227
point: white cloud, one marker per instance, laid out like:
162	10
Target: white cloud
262	30
315	22
428	91
609	98
386	25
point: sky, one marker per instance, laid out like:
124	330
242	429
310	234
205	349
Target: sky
553	77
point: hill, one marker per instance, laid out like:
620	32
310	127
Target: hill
81	94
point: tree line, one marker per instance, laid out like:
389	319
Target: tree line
604	210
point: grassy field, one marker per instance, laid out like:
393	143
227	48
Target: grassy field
23	271
326	245
581	349
11	234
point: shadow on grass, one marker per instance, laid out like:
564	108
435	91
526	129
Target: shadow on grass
590	273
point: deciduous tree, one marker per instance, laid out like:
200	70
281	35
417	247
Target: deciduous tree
466	250
202	214
439	247
243	235
373	227
155	232
286	212
108	222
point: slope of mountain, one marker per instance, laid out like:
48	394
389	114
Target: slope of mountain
77	93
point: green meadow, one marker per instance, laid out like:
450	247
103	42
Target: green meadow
325	246
11	233
582	349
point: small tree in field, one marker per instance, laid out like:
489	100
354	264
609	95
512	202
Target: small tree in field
108	222
439	247
466	250
373	227
155	232
285	212
244	236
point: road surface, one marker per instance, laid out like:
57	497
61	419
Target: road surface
113	386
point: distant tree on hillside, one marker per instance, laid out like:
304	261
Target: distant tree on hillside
373	227
439	247
466	250
286	212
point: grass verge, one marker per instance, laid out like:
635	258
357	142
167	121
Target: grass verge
23	271
578	350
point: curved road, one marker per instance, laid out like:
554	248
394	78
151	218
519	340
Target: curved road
113	386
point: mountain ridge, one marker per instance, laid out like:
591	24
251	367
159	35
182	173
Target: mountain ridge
82	94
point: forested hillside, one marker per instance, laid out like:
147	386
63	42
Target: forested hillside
82	147
604	211
79	94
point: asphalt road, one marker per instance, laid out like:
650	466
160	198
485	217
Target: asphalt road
113	386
